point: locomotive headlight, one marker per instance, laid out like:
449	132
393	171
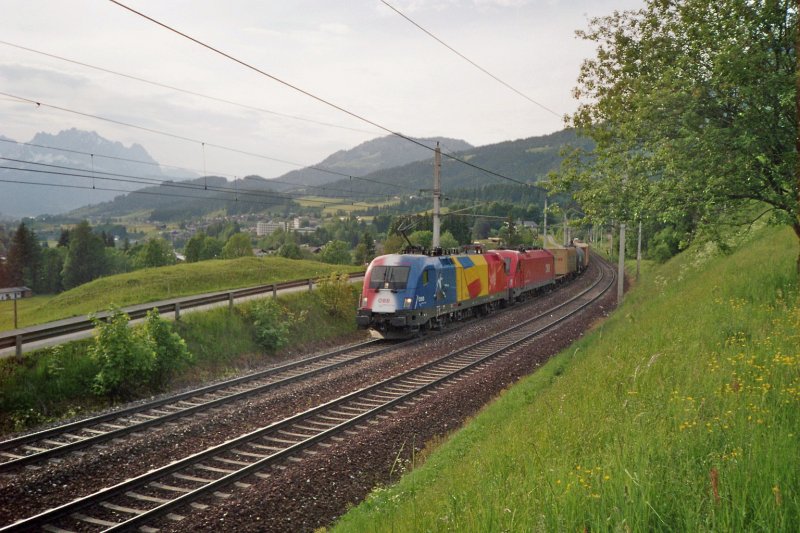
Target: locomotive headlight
407	303
364	301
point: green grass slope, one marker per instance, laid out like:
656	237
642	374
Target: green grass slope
680	413
153	284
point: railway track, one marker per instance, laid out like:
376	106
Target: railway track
166	491
57	441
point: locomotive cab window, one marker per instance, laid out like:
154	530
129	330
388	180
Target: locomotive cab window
389	277
425	276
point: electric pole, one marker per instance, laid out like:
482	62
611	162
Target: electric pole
437	194
544	239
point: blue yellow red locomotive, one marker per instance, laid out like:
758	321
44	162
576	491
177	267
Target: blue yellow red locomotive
404	294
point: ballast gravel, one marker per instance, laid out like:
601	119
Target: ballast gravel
311	493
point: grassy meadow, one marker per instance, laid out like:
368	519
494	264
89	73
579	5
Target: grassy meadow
154	284
347	207
679	413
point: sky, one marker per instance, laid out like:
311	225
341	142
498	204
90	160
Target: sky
357	54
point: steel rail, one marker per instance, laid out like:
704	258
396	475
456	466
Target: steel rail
60	431
349	410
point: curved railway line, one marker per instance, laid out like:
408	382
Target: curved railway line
172	490
36	447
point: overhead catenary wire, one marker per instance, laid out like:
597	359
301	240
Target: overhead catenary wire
468	60
149	193
200	171
308	93
189	139
266	201
185	91
111	176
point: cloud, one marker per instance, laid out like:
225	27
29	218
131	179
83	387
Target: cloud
14	75
335	28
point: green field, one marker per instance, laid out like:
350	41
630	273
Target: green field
153	284
679	413
345	206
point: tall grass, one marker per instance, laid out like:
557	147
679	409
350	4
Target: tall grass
680	413
154	284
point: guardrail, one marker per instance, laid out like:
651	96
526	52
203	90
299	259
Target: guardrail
20	336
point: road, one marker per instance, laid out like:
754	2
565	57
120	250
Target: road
36	345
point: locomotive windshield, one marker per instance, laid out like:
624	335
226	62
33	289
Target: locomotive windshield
388	277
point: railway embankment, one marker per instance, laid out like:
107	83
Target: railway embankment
679	412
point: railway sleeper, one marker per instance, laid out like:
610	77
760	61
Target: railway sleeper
186	477
214	469
301	436
233	462
145	498
122	509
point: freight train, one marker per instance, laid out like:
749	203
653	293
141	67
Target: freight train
405	294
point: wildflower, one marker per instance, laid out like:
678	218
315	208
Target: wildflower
776	490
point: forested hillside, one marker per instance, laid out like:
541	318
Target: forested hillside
382	153
176	201
527	160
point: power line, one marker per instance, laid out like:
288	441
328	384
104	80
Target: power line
468	60
186	91
111	176
151	163
151	193
307	93
88	187
196	141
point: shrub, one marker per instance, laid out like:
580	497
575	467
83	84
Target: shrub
271	324
125	358
169	348
336	294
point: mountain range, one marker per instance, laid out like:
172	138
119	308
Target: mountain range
384	166
58	170
368	157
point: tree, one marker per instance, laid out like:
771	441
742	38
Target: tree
365	250
24	257
194	247
447	241
51	266
86	259
212	249
238	245
63	238
155	253
336	252
394	244
480	230
692	106
290	250
422	238
458	227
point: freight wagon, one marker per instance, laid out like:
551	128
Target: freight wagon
405	294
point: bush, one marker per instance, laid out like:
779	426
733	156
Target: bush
271	324
169	348
134	360
336	294
125	358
